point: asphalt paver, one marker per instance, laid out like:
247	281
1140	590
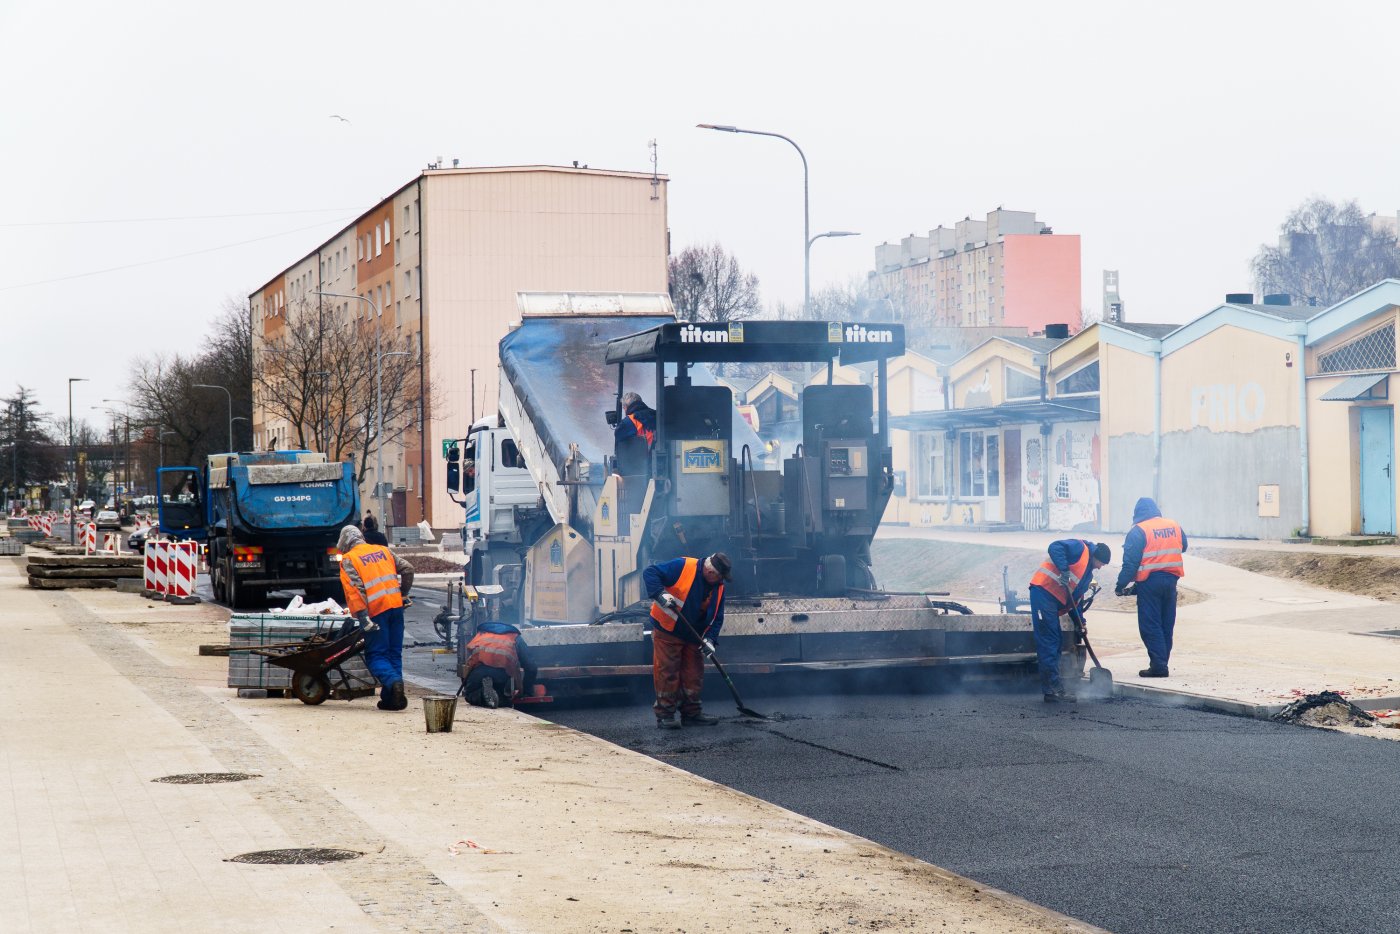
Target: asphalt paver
1128	815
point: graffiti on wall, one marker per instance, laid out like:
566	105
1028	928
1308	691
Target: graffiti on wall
1073	476
1225	406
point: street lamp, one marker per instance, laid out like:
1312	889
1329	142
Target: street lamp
379	356
230	409
829	233
240	418
72	463
161	439
806	206
126	441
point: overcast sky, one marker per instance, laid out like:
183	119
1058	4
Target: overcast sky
159	158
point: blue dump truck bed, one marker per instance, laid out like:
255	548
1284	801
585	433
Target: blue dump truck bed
297	499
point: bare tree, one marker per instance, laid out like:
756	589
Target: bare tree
707	284
1326	252
318	374
30	455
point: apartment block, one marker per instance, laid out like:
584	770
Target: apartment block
1006	270
436	266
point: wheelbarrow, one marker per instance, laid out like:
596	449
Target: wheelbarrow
317	659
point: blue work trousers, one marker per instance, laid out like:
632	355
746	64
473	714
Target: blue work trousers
1156	609
384	648
1045	615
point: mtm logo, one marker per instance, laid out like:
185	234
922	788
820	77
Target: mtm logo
701	458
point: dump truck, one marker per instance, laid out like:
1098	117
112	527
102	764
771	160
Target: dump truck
564	536
270	520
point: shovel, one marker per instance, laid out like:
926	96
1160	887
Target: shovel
714	658
1100	678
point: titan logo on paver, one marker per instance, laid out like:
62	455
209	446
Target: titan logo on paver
697	334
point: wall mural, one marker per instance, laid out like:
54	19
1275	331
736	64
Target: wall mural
1074	474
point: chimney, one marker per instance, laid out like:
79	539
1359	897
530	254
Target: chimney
1239	298
1278	298
1057	332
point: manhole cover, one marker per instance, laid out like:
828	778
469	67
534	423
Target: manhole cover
298	856
205	778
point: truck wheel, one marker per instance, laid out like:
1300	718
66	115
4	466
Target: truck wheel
237	595
833	575
310	689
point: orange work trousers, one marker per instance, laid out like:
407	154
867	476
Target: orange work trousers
678	670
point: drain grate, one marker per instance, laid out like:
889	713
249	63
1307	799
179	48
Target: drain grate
297	856
205	778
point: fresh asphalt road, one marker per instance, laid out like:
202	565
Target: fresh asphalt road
1134	817
1128	815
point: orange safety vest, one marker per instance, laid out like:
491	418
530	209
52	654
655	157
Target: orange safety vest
1162	549
495	650
376	567
1048	577
642	431
666	618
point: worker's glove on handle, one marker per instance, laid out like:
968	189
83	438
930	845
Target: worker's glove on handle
708	647
1065	581
669	601
1120	591
368	624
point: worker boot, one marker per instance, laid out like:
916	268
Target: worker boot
668	722
398	698
1060	697
489	697
1153	673
699	719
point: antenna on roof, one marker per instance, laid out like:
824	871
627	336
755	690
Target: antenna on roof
655	180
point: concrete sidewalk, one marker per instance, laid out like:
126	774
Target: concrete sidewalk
508	823
1253	644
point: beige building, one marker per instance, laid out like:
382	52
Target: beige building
442	259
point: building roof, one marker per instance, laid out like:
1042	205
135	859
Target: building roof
1036	344
1145	329
1283	312
1077	409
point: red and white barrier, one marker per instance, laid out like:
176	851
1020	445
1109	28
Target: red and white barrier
47	522
154	572
182	568
89	537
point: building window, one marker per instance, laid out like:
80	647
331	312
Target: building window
979	463
931	463
397	254
408	283
1021	385
406	209
1082	381
1371	351
378	240
386	229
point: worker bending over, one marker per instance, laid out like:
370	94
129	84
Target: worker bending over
1152	565
370	576
688	612
498	661
1059	584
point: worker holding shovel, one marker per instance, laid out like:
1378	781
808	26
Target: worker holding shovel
684	590
1059	584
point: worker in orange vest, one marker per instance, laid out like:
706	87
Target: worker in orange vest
374	593
634	436
1152	565
1059	584
694	589
498	661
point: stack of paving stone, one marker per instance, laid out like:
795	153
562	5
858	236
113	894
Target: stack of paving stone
84	572
252	673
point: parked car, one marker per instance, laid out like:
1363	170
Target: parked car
87	506
137	541
108	519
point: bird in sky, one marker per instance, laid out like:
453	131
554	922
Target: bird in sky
339	117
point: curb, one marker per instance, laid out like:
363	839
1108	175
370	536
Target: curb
1205	701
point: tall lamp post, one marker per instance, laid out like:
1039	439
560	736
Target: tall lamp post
126	442
230	409
240	418
829	233
806	206
72	463
379	355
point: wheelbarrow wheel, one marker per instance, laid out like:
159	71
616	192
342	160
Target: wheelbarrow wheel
311	689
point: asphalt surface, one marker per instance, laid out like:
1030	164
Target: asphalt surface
1130	816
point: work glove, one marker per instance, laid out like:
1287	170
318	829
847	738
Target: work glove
669	601
1065	580
707	647
1120	591
368	624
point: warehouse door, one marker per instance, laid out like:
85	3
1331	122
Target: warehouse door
1377	470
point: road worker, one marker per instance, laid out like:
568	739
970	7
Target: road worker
1060	583
634	436
1152	565
498	662
370	576
687	614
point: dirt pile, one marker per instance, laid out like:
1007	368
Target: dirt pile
1325	709
1376	577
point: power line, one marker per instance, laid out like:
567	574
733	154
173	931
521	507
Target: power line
163	259
186	217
